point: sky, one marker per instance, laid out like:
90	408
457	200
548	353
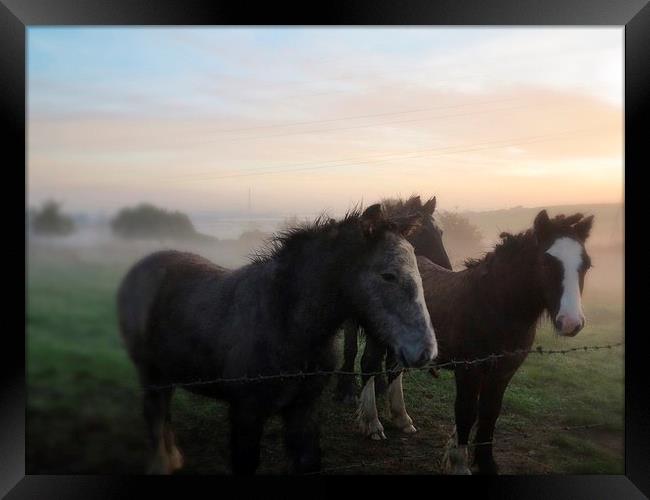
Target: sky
312	119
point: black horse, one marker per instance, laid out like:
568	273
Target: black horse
186	320
427	242
493	307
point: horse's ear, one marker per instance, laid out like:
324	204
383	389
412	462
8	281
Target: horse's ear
413	204
373	212
408	224
572	219
541	225
583	228
371	218
429	207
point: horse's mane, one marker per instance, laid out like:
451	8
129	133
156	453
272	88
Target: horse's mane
400	207
512	244
287	239
397	206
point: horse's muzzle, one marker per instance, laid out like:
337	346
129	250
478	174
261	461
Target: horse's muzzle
418	356
568	327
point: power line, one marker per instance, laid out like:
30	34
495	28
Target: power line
380	124
382	155
358	117
377	72
382	158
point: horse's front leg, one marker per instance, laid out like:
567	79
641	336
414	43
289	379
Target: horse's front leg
302	437
367	415
395	399
468	383
396	406
246	427
490	400
346	387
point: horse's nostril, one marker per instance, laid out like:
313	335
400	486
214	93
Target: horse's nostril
579	327
425	357
558	323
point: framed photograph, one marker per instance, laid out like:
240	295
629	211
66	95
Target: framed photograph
342	243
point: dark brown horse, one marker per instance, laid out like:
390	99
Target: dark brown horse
492	307
186	321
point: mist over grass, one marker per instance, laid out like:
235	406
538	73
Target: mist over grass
84	409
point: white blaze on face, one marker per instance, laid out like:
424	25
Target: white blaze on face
569	252
410	267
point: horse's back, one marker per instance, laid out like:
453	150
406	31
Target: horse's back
142	285
447	295
428	267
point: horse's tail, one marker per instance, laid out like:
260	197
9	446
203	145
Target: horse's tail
136	296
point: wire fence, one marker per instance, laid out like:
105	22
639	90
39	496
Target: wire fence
395	370
435	461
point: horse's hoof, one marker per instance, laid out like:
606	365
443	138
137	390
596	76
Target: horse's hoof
461	471
176	460
409	429
371	428
378	436
455	461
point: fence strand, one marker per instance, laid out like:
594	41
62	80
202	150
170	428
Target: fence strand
453	363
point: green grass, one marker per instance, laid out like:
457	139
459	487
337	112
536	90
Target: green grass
84	405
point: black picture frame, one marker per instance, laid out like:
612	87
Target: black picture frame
17	15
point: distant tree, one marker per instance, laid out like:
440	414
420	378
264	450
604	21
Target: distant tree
461	238
50	221
145	221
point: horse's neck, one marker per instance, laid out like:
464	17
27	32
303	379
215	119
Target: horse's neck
314	308
510	287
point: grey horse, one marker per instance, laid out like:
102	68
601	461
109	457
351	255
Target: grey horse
186	320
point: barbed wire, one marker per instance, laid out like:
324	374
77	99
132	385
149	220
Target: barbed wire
395	370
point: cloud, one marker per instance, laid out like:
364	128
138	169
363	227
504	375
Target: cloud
313	118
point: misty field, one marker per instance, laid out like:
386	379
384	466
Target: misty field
561	414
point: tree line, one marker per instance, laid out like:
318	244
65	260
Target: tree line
143	221
146	221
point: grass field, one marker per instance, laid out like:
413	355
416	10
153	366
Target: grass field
84	409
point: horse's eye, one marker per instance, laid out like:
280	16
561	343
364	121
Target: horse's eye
389	277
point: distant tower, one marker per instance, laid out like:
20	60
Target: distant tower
249	201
